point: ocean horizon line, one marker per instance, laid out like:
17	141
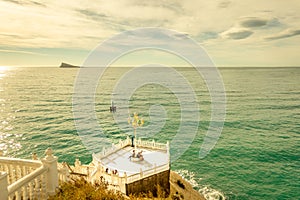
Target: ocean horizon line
175	66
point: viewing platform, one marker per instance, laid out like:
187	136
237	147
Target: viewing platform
118	167
119	156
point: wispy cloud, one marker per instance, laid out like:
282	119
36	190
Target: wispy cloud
26	2
56	23
224	4
252	22
284	34
237	33
248	25
21	52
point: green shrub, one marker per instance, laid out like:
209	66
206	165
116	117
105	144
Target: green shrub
80	189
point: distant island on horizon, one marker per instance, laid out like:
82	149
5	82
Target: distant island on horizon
66	65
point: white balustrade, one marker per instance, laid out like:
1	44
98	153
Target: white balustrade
63	172
28	179
31	186
140	143
17	168
147	173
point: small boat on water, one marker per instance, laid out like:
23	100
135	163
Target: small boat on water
112	107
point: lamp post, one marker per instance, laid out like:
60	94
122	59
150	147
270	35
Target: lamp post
135	121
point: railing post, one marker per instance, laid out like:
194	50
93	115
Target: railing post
168	151
125	177
3	186
77	165
65	172
50	162
141	173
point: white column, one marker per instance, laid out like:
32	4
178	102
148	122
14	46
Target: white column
50	162
3	186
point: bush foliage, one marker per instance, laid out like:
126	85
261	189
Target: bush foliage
83	190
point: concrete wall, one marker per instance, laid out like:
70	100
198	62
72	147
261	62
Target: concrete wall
150	184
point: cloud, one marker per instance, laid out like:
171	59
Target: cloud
253	22
224	4
58	23
260	22
284	34
237	33
21	52
24	2
246	26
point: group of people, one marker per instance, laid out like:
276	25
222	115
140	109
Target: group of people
115	172
137	155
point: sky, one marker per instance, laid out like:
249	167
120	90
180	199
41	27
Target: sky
233	32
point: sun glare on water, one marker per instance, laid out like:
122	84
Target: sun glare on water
3	70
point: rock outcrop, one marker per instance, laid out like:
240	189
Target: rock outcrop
66	65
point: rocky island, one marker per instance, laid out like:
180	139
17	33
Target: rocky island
66	65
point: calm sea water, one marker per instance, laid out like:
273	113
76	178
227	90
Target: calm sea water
256	157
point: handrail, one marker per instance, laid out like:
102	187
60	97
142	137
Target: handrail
26	179
18	161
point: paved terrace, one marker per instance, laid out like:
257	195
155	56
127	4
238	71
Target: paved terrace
118	156
120	160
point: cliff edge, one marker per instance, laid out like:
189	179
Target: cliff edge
182	189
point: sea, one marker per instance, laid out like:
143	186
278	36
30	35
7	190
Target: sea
256	156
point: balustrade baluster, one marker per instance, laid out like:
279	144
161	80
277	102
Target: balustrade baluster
27	170
22	174
34	193
18	194
15	169
25	192
11	174
12	197
43	186
31	189
38	181
18	172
